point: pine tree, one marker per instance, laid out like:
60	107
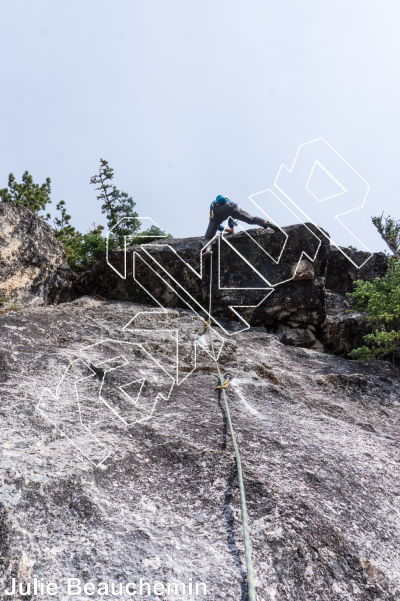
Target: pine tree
70	238
389	229
30	195
116	205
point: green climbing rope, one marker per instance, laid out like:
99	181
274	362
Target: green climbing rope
246	536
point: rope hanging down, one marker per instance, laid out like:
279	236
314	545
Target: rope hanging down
246	536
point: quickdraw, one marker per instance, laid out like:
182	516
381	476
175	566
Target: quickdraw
224	385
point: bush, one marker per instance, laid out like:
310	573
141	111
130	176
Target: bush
380	302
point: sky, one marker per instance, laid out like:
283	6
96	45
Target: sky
188	100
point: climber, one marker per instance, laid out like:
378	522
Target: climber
223	208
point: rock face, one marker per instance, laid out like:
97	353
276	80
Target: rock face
145	485
341	273
32	261
342	331
264	279
300	299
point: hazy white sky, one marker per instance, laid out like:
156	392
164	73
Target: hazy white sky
188	100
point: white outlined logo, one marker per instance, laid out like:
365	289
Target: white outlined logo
325	212
118	383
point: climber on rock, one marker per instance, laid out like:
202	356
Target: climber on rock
223	208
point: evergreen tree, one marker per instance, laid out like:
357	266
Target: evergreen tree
389	229
70	238
116	205
30	195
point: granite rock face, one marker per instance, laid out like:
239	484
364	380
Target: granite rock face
296	282
156	495
342	331
261	278
341	272
32	261
295	336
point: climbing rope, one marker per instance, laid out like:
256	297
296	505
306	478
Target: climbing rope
223	386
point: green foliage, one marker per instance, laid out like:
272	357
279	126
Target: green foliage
380	302
149	235
352	248
30	195
68	236
60	223
389	229
94	246
116	205
83	250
